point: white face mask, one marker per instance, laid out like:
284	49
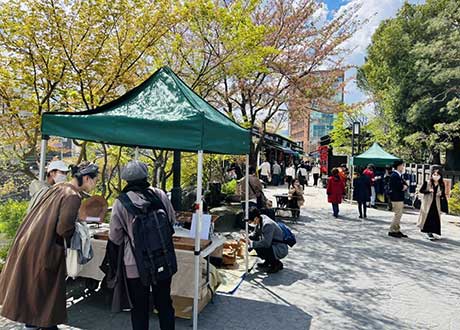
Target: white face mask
59	178
252	225
436	177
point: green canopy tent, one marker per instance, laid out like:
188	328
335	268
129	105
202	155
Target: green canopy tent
374	155
161	113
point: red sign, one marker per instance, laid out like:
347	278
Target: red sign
323	158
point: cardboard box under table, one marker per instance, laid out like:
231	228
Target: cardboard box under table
182	284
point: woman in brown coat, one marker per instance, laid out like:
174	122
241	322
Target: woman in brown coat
296	199
32	283
434	191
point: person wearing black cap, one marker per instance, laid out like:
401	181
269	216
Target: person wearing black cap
398	186
32	283
267	241
139	192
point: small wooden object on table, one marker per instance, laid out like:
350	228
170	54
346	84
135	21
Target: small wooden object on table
187	243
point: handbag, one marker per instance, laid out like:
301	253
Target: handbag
71	261
417	203
444	205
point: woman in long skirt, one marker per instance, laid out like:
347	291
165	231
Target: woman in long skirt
434	195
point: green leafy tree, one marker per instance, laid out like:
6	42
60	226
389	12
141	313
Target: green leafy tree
412	73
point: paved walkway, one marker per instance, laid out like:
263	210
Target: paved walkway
342	274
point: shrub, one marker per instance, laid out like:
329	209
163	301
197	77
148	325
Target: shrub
229	188
454	200
11	215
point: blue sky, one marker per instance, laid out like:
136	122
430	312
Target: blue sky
374	10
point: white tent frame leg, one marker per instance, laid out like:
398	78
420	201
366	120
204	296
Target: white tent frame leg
246	214
43	147
199	210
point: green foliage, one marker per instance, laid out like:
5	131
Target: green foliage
412	72
454	200
11	215
229	188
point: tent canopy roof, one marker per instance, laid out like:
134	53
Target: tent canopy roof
375	155
162	112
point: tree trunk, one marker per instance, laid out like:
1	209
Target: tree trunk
435	157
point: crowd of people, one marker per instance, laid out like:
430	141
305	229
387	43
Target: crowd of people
366	184
38	297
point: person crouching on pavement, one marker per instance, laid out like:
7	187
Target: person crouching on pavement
267	241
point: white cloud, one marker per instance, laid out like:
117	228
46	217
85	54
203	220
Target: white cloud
375	11
320	15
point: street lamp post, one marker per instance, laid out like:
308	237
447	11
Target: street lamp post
355	131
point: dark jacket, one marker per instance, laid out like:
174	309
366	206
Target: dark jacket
396	187
270	235
362	189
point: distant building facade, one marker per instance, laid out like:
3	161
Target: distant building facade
311	125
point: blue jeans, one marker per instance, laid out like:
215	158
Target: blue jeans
335	209
276	179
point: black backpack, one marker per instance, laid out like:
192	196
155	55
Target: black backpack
153	243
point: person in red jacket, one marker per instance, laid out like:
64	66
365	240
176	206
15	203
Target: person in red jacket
335	191
370	173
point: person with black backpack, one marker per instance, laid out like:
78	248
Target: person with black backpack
142	224
268	240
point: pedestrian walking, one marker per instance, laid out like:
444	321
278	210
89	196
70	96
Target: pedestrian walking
265	172
308	167
302	175
296	199
434	202
316	171
362	193
142	225
398	188
335	191
290	174
32	283
276	174
386	186
370	172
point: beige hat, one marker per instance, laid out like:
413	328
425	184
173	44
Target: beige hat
57	165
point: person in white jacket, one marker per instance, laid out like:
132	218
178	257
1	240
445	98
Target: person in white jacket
290	174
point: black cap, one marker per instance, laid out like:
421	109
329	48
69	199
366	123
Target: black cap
397	163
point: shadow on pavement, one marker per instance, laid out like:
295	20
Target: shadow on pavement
225	312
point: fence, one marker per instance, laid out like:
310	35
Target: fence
422	172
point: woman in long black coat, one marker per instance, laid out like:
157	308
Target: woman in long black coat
362	193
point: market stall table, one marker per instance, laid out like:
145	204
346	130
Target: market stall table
180	286
282	207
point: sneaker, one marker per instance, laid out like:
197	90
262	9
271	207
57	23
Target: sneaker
275	268
360	217
403	235
264	264
396	235
430	236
